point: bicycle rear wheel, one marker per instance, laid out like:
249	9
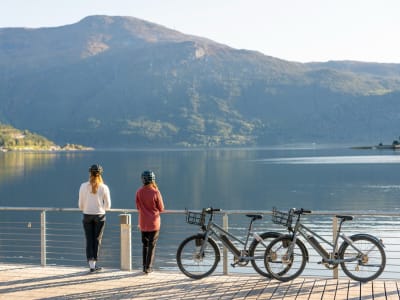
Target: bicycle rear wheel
257	251
191	262
368	264
283	263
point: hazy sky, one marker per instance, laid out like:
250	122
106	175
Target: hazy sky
296	30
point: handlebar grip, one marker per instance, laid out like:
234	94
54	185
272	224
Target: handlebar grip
301	211
210	209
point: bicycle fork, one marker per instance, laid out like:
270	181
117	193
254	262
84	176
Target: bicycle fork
286	258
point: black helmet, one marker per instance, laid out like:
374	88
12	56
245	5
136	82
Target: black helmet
148	177
96	169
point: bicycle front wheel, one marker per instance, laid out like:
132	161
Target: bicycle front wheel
285	260
367	262
257	252
194	264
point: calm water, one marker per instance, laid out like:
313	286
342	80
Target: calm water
319	178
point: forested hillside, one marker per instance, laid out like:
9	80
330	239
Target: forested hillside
124	82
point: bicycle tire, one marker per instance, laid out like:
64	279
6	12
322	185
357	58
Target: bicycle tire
189	261
257	251
367	267
277	262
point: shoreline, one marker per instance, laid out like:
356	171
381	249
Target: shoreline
51	149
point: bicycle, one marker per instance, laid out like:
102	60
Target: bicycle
198	255
361	256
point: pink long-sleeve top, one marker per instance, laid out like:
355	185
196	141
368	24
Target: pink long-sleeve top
150	204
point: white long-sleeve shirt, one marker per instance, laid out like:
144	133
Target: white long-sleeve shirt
94	204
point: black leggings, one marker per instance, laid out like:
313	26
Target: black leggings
149	241
94	228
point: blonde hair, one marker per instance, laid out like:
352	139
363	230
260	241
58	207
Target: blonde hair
95	181
153	184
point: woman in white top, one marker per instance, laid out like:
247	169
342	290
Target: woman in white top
94	201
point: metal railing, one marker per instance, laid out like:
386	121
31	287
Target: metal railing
54	236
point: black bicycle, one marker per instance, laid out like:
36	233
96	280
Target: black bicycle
198	255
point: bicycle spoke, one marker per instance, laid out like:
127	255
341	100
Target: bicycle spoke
193	263
367	262
281	262
257	252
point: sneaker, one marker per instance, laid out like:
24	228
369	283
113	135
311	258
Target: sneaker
96	269
149	270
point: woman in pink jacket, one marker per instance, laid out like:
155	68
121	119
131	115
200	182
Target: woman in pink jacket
149	204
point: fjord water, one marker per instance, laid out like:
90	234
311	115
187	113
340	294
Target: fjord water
313	177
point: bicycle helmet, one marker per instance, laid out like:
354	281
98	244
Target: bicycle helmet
148	177
96	169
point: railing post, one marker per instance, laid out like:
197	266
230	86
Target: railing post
225	226
43	238
334	235
126	243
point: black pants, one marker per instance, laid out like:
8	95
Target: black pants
94	228
149	241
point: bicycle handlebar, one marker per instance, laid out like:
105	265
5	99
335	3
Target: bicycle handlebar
301	211
211	210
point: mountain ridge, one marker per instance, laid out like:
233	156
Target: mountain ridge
127	82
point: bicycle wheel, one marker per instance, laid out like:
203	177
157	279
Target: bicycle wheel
257	251
283	264
191	262
368	264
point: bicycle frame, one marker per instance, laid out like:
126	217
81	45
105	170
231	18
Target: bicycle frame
198	255
361	256
309	235
216	231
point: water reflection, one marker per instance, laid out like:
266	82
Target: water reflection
16	164
250	179
365	159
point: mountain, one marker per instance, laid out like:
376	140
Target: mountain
123	82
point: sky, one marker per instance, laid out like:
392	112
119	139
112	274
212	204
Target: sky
294	30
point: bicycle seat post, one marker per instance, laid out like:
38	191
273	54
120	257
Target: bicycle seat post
342	220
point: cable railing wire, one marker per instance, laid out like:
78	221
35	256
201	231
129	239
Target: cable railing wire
65	241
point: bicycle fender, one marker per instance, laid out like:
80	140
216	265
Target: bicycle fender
301	244
203	235
264	235
272	234
365	235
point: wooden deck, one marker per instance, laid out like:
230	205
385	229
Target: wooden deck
55	282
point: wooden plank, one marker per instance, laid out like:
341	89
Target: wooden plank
391	289
342	289
305	289
318	290
269	290
331	287
294	289
354	290
378	288
366	291
281	291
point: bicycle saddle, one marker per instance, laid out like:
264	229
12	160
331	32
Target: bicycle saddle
255	217
345	218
